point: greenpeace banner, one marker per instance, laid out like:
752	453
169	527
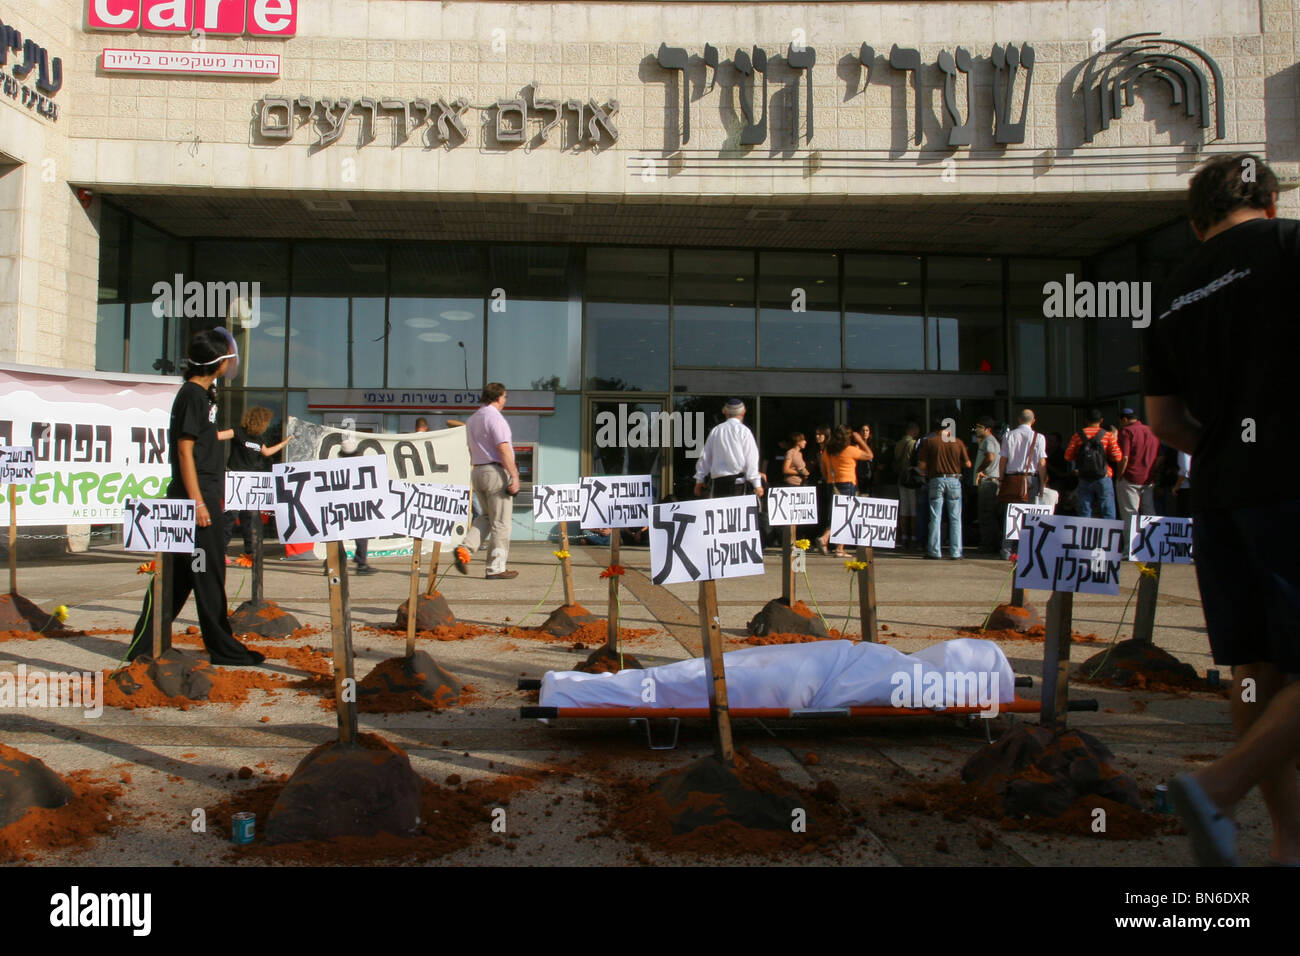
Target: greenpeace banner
97	440
435	457
705	540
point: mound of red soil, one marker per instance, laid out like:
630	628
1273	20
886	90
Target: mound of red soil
589	634
1137	665
1036	635
447	632
604	661
778	617
402	685
90	811
224	686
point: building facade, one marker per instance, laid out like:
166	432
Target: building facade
842	212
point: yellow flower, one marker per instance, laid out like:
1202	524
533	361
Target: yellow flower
1148	569
856	565
803	544
560	554
61	612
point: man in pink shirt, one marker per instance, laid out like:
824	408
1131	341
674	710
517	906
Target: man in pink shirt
495	477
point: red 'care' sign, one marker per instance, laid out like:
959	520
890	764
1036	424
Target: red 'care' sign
259	18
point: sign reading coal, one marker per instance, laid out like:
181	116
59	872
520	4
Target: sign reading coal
559	502
17	464
617	501
1016	518
333	499
787	506
865	522
430	512
166	525
1070	554
705	540
1155	539
250	491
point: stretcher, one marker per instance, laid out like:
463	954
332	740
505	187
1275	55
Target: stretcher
676	715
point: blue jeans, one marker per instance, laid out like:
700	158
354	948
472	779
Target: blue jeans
1096	494
945	500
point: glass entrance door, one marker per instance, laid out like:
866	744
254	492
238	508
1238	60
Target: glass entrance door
624	437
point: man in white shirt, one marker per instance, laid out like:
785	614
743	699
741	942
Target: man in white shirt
1024	452
730	457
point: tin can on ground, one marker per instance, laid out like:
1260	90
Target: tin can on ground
243	826
1162	799
1212	678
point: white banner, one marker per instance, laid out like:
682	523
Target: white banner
866	522
17	465
190	63
558	502
333	500
1070	554
787	505
1156	539
159	525
439	458
430	512
98	440
1016	518
705	540
249	491
617	501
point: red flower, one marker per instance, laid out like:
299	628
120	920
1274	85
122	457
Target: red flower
1014	558
614	570
146	568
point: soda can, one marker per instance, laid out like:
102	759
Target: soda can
1212	678
1162	799
243	826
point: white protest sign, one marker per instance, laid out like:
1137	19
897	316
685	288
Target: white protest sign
17	464
791	505
867	522
1070	554
159	525
250	491
333	499
617	501
1155	539
1016	518
430	512
705	540
559	502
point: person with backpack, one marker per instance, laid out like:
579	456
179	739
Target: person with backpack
1092	448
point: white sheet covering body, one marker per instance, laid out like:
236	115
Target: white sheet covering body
817	675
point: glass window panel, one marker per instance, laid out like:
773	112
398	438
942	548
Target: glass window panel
1117	347
336	314
627	319
110	335
155	258
535	317
1050	357
110	318
437	304
711	407
713	308
809	338
883	318
260	269
964	302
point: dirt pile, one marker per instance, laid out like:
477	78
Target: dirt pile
1009	617
1036	635
1137	665
431	611
265	619
708	809
591	634
566	619
20	619
780	617
54	813
604	661
448	632
402	685
183	680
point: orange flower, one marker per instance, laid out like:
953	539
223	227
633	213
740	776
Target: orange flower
613	571
243	561
146	568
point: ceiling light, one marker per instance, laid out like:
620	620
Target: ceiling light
456	315
421	322
434	337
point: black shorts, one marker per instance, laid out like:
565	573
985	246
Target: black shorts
1248	571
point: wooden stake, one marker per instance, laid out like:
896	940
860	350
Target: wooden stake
159	611
867	594
1144	622
1017	597
567	571
413	598
715	673
341	630
787	564
258	557
611	642
1056	659
13	540
433	569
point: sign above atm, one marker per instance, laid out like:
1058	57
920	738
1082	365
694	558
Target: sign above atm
258	18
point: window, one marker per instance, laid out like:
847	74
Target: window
627	319
964	305
435	333
883	316
713	308
534	317
799	310
336	316
261	336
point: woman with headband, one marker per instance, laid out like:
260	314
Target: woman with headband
199	474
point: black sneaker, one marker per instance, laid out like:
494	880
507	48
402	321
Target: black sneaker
366	569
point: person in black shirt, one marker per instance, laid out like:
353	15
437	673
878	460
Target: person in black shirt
1219	367
247	453
198	473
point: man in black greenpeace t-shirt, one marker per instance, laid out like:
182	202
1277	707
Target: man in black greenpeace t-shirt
1220	373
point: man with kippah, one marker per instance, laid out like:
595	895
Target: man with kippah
729	462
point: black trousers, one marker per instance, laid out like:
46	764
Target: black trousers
246	519
209	589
